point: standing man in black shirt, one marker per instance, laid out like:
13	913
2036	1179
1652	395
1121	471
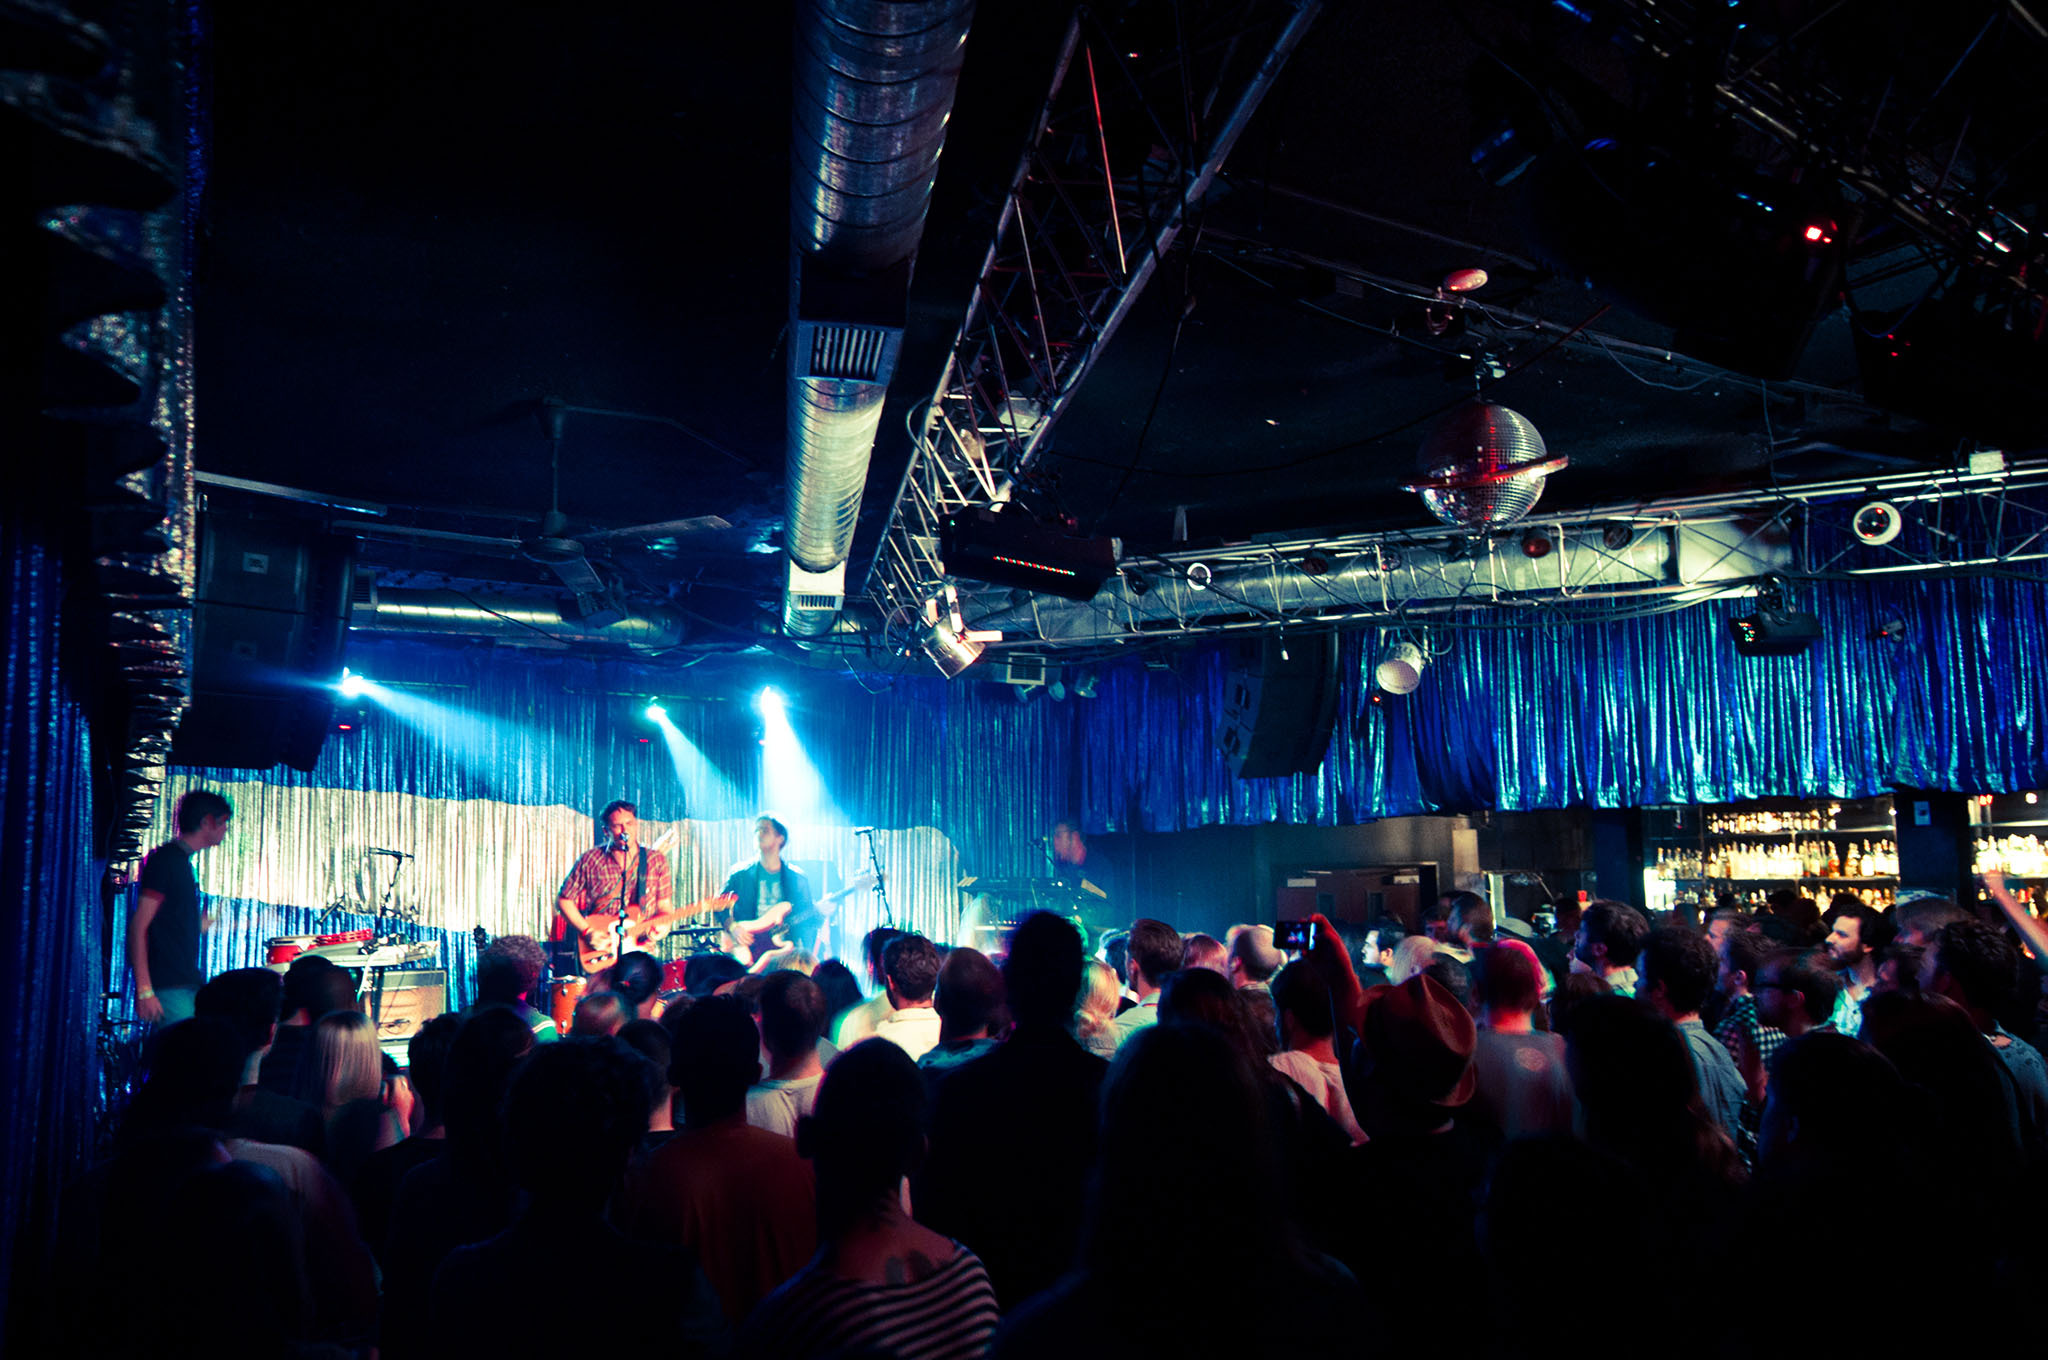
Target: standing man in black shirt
770	895
164	929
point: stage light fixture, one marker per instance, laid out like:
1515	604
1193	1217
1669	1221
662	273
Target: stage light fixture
1773	628
655	712
945	637
769	702
1877	523
353	686
1400	668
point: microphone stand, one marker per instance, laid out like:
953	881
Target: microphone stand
881	883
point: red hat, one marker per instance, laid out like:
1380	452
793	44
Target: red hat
1420	1041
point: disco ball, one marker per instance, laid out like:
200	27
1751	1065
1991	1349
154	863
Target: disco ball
1483	464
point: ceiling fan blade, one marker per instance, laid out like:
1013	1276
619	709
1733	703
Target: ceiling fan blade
665	528
576	574
509	547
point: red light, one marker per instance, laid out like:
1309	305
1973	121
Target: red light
344	727
643	741
1821	233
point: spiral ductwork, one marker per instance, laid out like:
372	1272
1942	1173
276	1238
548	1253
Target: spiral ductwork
875	82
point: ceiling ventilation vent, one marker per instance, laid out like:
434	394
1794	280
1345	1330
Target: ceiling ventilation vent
816	592
850	353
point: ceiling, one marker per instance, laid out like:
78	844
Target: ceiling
425	223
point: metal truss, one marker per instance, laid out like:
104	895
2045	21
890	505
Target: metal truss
1138	121
1641	557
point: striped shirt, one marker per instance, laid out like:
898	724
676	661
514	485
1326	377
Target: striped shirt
948	1315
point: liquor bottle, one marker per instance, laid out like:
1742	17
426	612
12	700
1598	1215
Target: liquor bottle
1833	867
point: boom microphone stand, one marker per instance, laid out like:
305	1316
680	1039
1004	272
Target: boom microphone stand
867	833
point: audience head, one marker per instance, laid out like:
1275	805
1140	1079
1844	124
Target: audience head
1411	958
343	1062
1974	965
1042	971
704	974
1634	1078
1453	976
1471	920
314	986
1252	957
840	986
1918	920
872	946
969	995
1199	996
1898	969
1382	940
1725	921
508	970
1417	1044
1303	999
1676	972
426	1063
247	999
910	970
1180	1102
1574	990
193	1070
486	1051
866	1133
637	977
1795	989
1741	953
1506	978
1938	1050
1833	1102
1095	1006
574	1114
1860	932
1116	952
1155	951
792	1016
601	1015
651	1042
1205	951
717	1057
1610	936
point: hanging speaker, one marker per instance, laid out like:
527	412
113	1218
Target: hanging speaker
1279	706
269	623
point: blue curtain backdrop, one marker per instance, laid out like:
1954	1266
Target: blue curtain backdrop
1622	713
50	964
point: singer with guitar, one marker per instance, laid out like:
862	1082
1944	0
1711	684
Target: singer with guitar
618	894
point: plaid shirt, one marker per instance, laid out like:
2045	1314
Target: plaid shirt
1741	1023
597	883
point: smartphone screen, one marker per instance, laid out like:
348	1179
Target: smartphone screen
1290	936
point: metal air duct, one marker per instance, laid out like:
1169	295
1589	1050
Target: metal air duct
1184	593
515	619
875	82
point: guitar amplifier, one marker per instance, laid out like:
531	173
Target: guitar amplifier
400	1000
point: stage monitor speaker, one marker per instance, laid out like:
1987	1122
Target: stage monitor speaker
1279	706
268	629
400	1000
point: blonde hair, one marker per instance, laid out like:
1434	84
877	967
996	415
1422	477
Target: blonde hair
344	1061
1095	1007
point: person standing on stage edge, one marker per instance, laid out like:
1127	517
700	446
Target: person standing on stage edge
164	929
618	875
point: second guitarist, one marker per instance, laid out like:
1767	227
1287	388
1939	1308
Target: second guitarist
771	895
619	878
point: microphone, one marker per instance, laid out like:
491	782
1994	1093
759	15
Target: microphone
864	831
394	854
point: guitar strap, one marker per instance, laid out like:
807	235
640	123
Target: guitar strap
640	880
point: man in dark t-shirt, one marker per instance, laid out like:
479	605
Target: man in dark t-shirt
164	928
761	887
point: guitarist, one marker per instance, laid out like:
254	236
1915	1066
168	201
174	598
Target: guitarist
771	895
618	876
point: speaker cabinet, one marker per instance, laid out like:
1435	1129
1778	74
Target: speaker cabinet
1279	706
268	629
400	1000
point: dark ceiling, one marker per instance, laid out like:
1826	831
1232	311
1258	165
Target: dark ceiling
424	221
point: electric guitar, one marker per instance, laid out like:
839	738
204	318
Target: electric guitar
772	924
613	934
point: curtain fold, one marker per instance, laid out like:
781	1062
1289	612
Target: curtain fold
50	963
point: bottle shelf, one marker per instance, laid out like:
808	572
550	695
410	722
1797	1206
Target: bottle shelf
1838	878
1997	828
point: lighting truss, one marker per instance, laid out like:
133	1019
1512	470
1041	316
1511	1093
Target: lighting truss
1139	119
1617	558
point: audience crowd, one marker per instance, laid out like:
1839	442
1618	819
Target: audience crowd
1713	1141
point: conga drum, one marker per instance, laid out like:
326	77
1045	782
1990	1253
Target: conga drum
563	994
